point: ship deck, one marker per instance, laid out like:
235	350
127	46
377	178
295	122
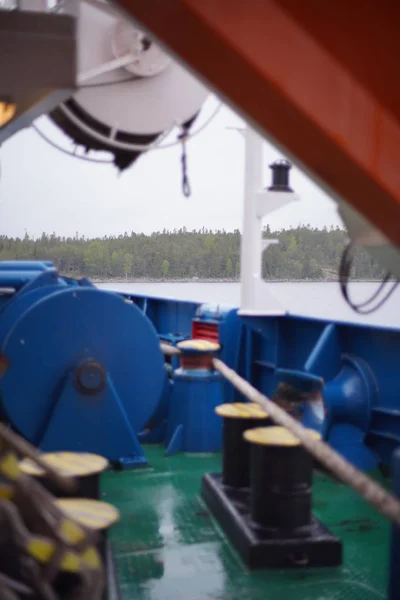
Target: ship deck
167	547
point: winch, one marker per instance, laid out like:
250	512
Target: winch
82	367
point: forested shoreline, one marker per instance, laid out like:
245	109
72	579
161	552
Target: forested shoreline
304	253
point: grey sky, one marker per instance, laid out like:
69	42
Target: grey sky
43	190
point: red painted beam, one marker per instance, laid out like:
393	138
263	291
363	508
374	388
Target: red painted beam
286	75
362	35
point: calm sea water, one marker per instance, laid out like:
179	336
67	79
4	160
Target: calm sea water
320	300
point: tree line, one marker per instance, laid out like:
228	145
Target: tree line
302	253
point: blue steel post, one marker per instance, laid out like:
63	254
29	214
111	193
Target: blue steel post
192	424
394	575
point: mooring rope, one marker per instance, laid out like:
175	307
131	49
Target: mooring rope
371	491
169	350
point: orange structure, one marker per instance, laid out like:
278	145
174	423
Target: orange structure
319	78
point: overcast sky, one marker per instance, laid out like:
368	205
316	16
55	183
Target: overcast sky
43	190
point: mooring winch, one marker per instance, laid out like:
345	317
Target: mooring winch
83	369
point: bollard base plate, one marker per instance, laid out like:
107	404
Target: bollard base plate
314	546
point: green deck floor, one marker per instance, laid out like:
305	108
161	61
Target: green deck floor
167	547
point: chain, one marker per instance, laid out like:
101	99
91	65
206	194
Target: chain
185	180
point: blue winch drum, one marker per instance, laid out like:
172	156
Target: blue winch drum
55	330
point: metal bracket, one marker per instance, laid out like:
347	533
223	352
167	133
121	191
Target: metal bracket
41	72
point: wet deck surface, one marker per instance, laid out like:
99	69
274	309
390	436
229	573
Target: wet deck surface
167	547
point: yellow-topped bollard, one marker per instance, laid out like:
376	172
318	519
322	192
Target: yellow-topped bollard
93	514
281	478
270	523
197	354
84	467
276	436
238	417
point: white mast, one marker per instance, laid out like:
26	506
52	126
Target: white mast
255	297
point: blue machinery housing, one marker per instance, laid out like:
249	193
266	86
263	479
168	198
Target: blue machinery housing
83	370
345	375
